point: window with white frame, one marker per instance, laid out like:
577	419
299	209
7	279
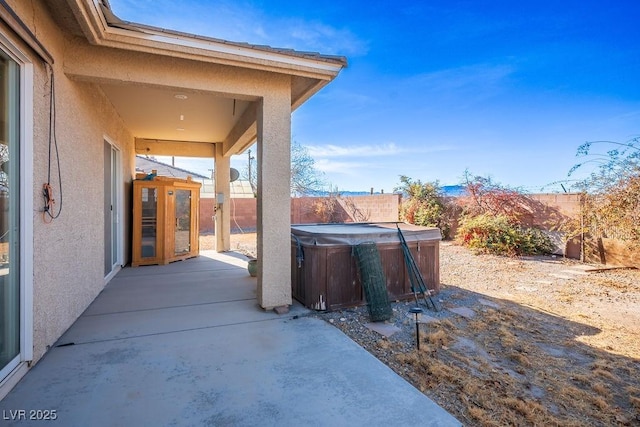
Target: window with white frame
10	298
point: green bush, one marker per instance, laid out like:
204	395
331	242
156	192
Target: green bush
497	235
423	204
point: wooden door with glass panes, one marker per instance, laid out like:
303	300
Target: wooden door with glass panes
147	219
166	220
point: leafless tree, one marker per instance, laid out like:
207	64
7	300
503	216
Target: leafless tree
306	179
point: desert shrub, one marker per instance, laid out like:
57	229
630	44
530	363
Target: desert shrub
424	204
494	219
497	234
484	196
611	201
535	241
328	208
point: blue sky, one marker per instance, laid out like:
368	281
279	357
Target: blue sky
504	89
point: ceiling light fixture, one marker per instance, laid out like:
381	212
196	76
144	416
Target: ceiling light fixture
180	96
180	129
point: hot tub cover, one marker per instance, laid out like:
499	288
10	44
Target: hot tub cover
355	233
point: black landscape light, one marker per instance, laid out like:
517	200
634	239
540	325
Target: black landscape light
417	311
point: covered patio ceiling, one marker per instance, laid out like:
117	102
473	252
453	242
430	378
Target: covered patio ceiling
166	119
175	114
187	95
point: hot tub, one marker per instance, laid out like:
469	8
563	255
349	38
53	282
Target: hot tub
324	272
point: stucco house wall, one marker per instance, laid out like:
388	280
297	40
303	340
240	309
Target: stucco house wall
68	253
102	68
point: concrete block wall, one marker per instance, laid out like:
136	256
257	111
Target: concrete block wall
612	252
553	207
243	215
378	207
307	210
547	211
568	204
373	208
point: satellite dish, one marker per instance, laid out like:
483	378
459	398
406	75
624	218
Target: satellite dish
234	174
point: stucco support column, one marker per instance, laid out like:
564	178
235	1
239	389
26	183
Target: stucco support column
223	200
274	200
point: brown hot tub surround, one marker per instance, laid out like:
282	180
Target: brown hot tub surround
325	277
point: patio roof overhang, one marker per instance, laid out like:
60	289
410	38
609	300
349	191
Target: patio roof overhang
186	95
183	116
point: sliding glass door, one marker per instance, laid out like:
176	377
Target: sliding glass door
10	299
111	208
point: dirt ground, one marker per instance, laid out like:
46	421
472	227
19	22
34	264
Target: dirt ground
517	341
244	243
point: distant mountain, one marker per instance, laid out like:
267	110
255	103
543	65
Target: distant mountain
448	190
453	190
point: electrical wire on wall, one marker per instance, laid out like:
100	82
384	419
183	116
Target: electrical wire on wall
233	214
48	214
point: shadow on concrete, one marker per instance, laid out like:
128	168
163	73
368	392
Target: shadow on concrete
187	345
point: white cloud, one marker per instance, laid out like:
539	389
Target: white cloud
321	37
348	168
347	97
470	75
242	22
345	151
465	85
390	149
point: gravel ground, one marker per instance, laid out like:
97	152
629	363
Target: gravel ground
517	341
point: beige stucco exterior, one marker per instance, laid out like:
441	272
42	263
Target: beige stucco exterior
68	267
274	198
89	60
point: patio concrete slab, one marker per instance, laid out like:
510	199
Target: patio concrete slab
167	290
132	324
208	360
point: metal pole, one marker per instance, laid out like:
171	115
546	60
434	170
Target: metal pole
582	233
417	311
250	182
